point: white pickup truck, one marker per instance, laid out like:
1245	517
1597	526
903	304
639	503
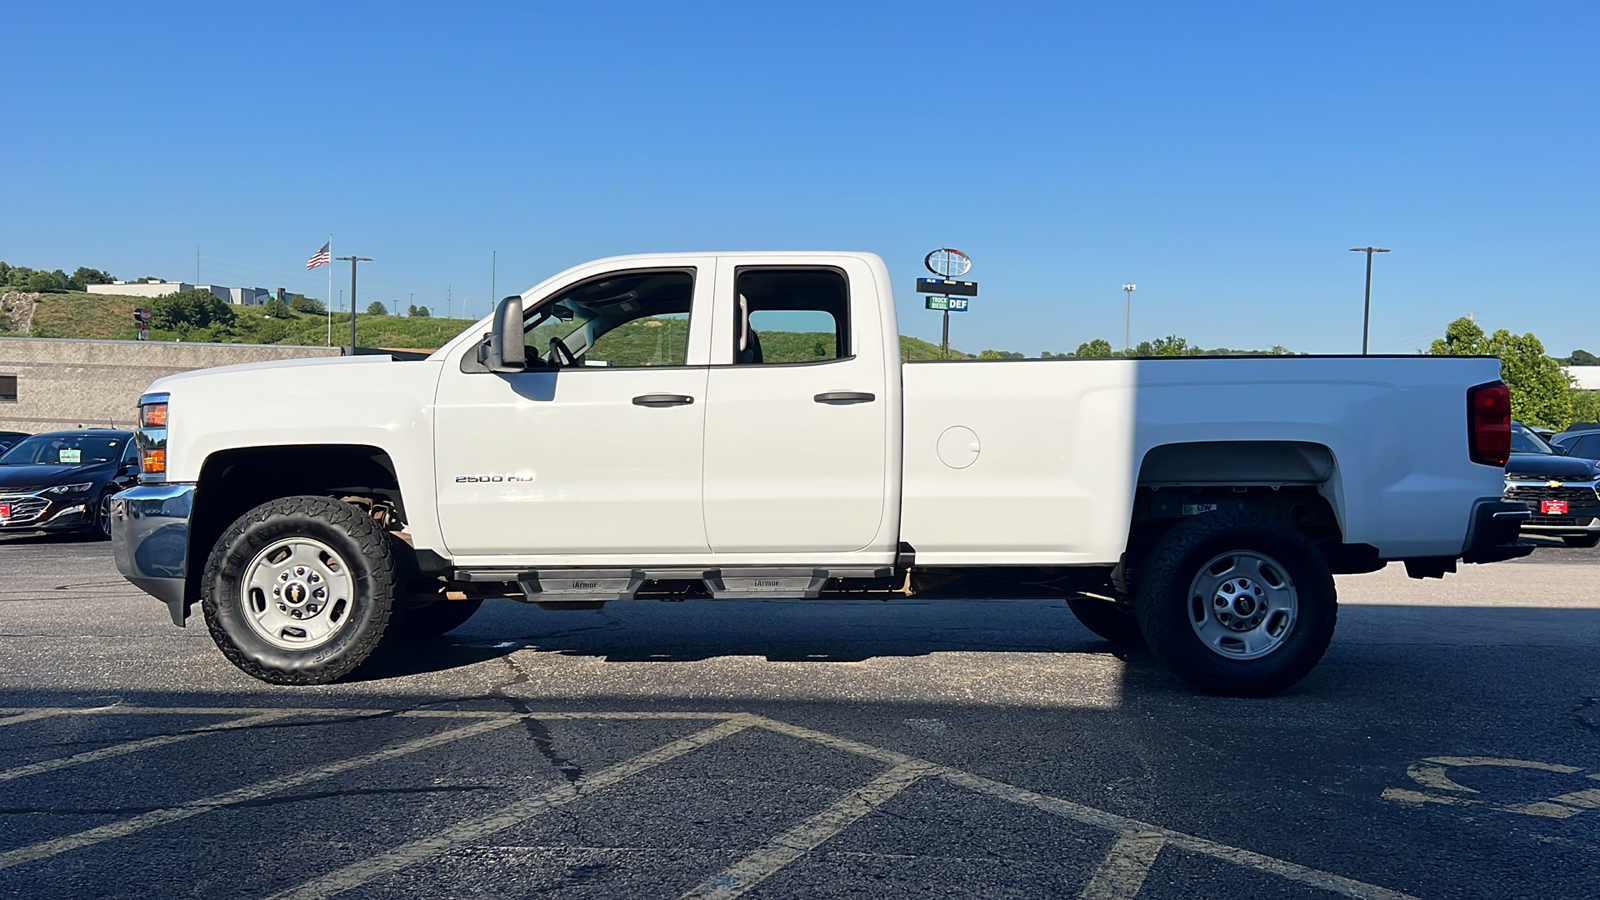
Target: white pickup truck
742	426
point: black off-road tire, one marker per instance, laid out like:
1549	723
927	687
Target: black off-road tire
363	546
431	620
1165	606
1581	540
1107	620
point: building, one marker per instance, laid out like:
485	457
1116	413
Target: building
1585	378
241	296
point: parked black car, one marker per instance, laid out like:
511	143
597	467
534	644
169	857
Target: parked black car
1584	442
1559	489
8	438
63	480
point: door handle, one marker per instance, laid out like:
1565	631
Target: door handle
656	401
842	398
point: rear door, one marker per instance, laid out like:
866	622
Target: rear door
797	412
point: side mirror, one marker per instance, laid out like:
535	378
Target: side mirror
503	350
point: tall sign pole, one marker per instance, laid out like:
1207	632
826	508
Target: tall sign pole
353	260
1127	323
1366	315
948	264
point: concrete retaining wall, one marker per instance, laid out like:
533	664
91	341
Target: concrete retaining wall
74	384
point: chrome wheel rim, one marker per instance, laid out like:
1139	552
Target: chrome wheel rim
103	517
297	594
1243	604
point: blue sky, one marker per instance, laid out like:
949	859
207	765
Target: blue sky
1223	156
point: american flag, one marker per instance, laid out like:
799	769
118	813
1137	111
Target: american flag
319	258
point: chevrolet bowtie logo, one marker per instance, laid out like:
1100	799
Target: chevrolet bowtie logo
1552	484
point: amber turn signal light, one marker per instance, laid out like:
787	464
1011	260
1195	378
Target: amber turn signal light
155	415
155	462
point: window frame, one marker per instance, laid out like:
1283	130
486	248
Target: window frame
695	287
846	336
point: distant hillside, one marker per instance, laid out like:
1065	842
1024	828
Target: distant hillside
110	317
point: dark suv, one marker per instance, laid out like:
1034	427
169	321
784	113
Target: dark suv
1559	489
64	480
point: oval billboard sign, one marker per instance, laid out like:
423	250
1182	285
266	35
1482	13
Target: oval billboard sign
947	262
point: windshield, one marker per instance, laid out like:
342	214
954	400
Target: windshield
65	450
1524	440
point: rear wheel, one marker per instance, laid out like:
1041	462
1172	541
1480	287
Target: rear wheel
300	590
1107	620
1581	540
1241	605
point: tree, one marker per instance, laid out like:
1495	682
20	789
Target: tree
46	281
1583	358
1585	406
302	303
420	312
1049	355
276	309
1000	354
1171	345
1099	348
84	277
190	309
1541	393
376	308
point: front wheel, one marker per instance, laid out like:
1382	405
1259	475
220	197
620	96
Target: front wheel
300	590
1240	605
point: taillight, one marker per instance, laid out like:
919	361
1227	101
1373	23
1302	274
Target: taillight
1489	423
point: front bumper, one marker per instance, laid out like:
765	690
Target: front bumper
1582	515
35	511
150	541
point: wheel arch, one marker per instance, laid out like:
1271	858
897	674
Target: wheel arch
235	480
1295	480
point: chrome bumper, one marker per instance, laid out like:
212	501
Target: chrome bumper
150	541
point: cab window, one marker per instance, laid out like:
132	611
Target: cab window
790	315
618	320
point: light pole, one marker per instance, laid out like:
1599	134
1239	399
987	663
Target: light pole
1127	326
1366	317
353	260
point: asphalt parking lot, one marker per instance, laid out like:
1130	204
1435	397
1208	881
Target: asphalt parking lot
1448	746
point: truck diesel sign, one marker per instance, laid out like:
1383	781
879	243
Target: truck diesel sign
951	304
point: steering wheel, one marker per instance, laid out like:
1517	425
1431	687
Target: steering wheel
560	355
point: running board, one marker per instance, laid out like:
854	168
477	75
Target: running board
558	585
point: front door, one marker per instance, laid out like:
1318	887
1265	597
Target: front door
597	448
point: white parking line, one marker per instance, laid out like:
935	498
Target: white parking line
33	716
1120	874
251	792
784	849
1127	864
408	855
88	756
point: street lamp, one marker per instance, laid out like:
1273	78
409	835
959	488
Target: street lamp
1366	317
353	260
1127	325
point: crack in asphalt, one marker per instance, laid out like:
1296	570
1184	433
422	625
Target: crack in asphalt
543	741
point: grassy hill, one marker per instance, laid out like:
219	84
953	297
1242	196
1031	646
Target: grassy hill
110	317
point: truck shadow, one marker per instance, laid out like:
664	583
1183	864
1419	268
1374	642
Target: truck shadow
801	631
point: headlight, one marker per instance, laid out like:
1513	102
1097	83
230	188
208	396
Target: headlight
78	488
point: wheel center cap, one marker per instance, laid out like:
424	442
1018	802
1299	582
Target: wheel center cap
296	594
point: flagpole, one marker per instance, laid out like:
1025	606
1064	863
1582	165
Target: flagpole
328	303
